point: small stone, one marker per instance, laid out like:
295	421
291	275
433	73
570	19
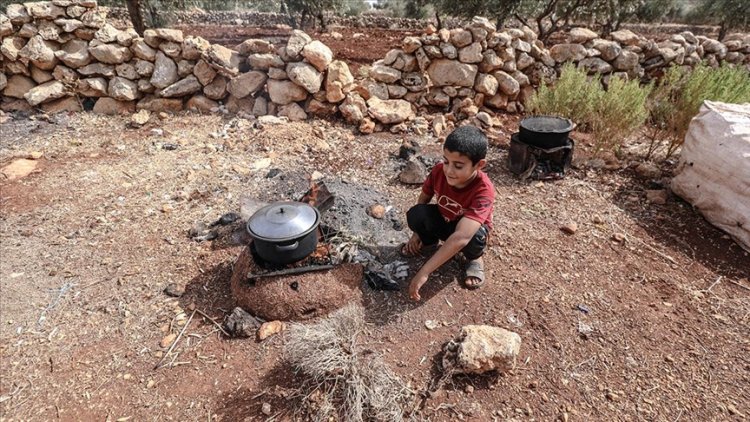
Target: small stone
18	169
167	208
658	196
469	389
139	119
413	174
612	396
174	290
569	227
376	211
648	171
167	340
266	409
150	383
618	237
35	155
267	329
431	324
597	219
408	148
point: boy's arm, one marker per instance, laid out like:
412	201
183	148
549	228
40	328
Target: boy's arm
465	231
424	198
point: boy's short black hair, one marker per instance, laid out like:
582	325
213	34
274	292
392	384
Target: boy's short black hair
469	141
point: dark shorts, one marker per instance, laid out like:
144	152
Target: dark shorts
426	221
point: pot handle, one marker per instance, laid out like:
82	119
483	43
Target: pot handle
285	248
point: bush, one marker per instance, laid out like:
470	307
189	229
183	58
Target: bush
342	379
679	95
610	115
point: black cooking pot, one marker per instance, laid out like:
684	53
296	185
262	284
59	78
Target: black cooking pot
284	232
545	131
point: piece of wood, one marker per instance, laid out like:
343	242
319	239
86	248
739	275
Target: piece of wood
176	340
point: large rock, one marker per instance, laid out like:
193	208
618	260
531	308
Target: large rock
389	111
40	52
181	88
483	348
122	89
625	37
338	80
486	84
110	53
507	84
107	34
92	87
247	83
255	46
444	72
581	35
193	47
158	105
65	74
6	26
354	108
318	54
144	68
3	81
460	37
98	69
609	49
293	112
285	92
110	106
383	73
64	105
75	53
471	53
595	65
627	60
223	59
17	14
154	37
411	44
45	92
95	18
11	46
126	70
567	52
264	61
297	41
142	50
165	71
217	89
490	62
49	30
44	10
204	72
18	86
203	104
305	76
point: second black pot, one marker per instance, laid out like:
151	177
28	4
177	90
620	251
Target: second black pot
545	131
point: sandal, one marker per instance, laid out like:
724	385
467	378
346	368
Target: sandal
475	270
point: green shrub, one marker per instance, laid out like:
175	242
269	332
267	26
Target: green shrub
610	115
680	93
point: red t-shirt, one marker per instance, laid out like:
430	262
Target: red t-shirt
475	200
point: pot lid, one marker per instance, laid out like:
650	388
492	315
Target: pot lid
547	124
282	221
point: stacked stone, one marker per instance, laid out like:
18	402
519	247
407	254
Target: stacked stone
57	52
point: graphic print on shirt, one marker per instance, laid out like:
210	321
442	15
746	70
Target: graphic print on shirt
453	208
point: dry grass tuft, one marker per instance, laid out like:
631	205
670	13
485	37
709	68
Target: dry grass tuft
342	379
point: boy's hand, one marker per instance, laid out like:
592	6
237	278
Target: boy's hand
413	246
416	283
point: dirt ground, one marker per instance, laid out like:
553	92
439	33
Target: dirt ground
651	328
654	327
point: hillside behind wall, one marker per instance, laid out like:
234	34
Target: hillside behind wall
63	54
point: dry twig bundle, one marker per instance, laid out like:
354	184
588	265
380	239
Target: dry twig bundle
343	380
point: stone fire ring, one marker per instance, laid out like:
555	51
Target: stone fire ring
295	297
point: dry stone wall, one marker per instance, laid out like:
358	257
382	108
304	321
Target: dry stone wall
63	55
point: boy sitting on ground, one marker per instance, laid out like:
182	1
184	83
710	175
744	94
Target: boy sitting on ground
462	214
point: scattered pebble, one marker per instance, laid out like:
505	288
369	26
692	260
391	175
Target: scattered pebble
174	290
431	325
167	208
618	237
597	219
469	389
167	340
35	155
376	211
569	227
269	329
266	409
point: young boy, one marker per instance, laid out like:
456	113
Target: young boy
462	214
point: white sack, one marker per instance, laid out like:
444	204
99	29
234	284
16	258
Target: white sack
714	169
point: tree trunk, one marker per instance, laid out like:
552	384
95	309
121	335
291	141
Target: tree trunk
722	30
437	19
134	10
